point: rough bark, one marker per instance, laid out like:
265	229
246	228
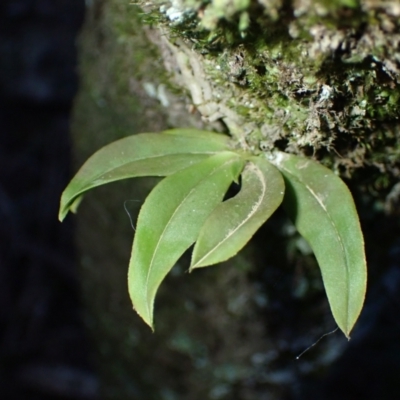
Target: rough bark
314	78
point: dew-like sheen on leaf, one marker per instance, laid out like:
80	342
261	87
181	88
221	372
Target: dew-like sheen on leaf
170	220
232	223
145	154
323	211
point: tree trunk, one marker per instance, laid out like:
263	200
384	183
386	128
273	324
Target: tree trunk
314	78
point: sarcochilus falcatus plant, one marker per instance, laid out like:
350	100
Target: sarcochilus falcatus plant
187	208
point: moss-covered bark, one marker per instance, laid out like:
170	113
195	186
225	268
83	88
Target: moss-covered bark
314	77
302	76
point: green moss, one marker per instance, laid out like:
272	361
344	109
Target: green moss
316	77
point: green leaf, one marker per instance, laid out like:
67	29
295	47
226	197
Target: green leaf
232	223
323	210
169	223
145	154
205	136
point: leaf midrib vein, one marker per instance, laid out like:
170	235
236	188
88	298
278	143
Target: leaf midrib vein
169	222
320	202
250	215
86	187
154	157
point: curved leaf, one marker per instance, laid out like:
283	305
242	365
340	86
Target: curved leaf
323	210
232	223
145	154
169	223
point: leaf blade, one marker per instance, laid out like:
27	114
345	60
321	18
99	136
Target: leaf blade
198	133
232	223
144	154
322	209
161	238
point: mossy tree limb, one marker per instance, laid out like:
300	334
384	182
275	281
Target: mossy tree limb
305	77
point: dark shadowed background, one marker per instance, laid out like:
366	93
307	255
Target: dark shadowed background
44	352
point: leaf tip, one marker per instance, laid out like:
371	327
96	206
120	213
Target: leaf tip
346	332
147	319
191	269
145	312
196	263
150	324
62	214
